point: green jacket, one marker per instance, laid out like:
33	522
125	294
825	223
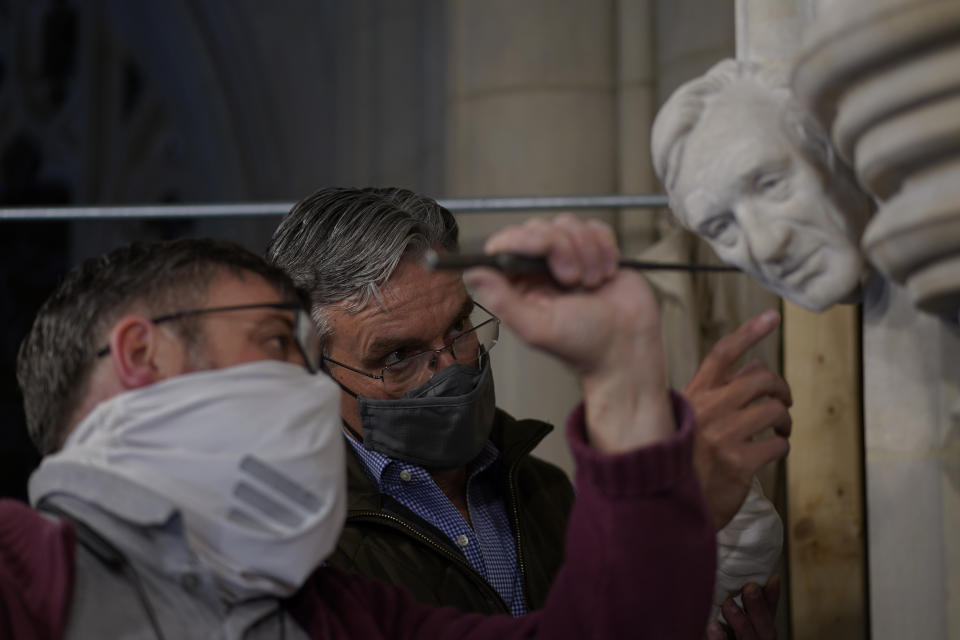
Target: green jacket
385	540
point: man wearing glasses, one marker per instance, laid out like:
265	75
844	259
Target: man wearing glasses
190	462
231	309
444	498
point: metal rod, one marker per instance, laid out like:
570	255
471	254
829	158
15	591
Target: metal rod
522	265
456	205
146	211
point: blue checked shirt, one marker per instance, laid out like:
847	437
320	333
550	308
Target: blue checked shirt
489	546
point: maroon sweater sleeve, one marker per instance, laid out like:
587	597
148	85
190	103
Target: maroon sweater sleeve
36	573
640	560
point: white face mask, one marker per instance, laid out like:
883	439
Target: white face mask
251	455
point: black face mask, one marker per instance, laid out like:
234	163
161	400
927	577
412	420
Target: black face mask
442	424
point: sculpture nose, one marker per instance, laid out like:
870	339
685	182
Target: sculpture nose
768	238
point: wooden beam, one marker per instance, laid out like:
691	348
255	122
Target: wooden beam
825	522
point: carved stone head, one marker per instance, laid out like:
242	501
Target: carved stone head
749	170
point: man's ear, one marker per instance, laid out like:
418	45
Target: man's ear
133	349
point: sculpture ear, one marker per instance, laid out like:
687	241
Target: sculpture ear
133	350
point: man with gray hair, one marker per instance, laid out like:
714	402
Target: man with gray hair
750	171
444	497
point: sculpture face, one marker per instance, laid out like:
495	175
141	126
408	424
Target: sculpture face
749	191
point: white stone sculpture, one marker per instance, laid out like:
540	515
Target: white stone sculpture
748	170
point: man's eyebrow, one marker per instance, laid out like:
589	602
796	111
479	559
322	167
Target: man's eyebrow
387	344
283	315
268	314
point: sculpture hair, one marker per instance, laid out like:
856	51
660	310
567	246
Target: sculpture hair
682	112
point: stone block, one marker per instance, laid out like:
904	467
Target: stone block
635	41
533	143
503	44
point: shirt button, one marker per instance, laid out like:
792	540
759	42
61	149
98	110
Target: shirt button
405	475
463	540
189	581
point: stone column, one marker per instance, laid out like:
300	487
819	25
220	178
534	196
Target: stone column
911	374
636	107
532	111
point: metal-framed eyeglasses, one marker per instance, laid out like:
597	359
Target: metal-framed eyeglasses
303	331
477	336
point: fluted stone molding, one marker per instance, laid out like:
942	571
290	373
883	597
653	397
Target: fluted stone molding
882	77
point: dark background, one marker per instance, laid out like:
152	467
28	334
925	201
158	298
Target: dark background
115	102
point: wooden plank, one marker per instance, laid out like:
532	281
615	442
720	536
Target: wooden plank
825	530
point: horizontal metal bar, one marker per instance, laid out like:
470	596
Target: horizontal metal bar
457	205
146	211
643	201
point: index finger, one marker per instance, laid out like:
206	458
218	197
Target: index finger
759	611
731	347
771	591
741	624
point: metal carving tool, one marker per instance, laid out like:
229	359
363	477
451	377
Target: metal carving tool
515	264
